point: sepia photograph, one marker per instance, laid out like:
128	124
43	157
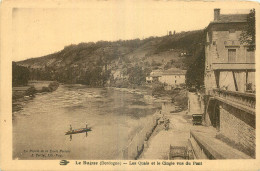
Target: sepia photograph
121	80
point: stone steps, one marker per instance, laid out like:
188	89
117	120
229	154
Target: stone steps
205	145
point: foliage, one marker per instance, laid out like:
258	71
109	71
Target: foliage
53	86
20	75
158	89
186	41
31	91
154	63
181	99
92	63
136	75
45	89
196	66
248	35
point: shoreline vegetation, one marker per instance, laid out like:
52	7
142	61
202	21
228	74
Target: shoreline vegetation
27	92
32	88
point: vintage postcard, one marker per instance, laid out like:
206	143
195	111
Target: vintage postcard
129	85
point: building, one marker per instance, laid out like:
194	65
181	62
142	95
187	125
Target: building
173	77
154	76
230	65
230	81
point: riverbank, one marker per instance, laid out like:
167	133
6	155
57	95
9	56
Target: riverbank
166	117
137	144
177	134
25	93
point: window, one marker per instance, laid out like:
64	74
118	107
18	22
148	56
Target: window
214	35
231	55
250	56
214	42
232	34
207	36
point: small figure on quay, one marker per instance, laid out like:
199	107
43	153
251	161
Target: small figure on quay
166	126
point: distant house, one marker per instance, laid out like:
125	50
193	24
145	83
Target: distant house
117	74
183	53
149	79
154	76
173	77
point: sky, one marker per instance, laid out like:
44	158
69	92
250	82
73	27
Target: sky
41	31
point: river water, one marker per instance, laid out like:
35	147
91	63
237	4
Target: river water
115	116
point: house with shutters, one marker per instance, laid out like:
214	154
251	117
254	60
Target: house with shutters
230	65
230	100
172	77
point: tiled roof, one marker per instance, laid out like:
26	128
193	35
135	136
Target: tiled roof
227	18
174	71
156	73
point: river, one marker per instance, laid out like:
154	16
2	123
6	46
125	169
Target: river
114	114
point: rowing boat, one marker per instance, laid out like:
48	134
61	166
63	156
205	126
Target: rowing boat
76	131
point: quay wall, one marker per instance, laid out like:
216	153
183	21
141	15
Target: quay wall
136	146
237	127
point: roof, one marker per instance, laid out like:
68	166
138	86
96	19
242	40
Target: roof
228	18
156	73
174	71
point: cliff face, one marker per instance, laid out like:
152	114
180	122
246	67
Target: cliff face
121	62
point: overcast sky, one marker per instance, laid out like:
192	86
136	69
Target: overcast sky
41	31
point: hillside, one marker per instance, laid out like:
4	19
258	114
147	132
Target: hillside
122	62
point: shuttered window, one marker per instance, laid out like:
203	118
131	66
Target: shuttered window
250	56
232	55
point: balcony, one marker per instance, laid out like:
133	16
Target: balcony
242	101
233	66
232	43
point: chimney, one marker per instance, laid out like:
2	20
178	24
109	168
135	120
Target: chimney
216	14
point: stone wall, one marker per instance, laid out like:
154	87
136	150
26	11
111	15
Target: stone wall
136	146
238	126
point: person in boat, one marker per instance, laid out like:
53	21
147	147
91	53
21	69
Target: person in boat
86	125
70	127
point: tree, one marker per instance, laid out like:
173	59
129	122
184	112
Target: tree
20	75
136	75
196	63
248	34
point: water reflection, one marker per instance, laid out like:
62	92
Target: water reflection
115	115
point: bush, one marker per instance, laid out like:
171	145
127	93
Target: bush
20	75
158	89
31	91
46	89
53	86
181	100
